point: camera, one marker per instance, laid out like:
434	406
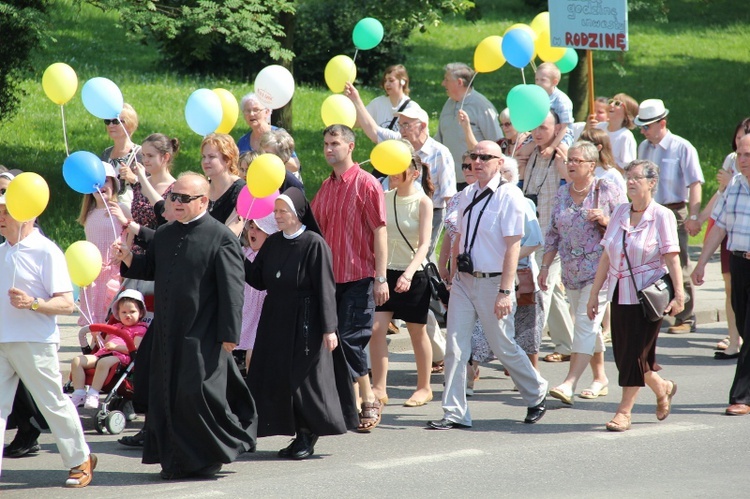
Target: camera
464	263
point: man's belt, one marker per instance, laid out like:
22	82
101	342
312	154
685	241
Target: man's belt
742	254
482	275
675	206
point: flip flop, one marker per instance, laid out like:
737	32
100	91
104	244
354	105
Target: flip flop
595	390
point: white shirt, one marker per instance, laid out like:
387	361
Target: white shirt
383	112
624	147
40	272
503	217
612	175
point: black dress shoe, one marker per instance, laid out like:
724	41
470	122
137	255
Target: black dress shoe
173	475
208	472
286	452
445	424
534	414
725	356
134	440
21	449
303	446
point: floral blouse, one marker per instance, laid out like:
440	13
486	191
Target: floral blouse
575	238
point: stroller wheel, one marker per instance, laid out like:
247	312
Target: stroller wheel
99	424
115	422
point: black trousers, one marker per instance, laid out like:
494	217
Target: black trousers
739	269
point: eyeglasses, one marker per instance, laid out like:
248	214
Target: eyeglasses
636	178
466	166
183	198
644	127
506	124
2	191
256	110
113	122
482	157
614	102
576	161
404	126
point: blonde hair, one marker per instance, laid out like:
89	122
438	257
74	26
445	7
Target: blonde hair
549	69
130	118
227	148
89	203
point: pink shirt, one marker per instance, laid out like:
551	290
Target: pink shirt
251	309
647	243
348	210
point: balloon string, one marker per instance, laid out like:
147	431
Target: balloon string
533	65
468	87
523	76
136	148
364	162
65	134
15	259
111	220
89	318
356	51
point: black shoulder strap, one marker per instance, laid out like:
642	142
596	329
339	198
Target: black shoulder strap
476	200
395	118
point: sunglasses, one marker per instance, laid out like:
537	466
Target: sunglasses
466	166
2	192
644	127
506	124
183	198
614	102
113	122
482	157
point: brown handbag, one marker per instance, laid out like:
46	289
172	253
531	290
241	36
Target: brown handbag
525	288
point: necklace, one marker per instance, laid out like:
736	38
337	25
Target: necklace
633	210
572	186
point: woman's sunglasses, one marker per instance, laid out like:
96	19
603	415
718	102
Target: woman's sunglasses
113	122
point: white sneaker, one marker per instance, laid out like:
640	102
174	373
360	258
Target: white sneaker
92	401
78	399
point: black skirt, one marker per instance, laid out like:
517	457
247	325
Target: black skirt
411	306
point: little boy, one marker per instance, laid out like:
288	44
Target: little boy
548	76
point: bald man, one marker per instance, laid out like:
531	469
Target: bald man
201	413
491	224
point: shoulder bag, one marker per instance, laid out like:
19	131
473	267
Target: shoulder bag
654	298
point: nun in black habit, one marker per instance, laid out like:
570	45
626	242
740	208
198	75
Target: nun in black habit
298	377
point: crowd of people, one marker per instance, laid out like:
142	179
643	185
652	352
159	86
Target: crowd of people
277	325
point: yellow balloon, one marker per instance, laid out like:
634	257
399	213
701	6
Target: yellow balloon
524	27
265	175
60	83
230	109
547	52
84	262
488	56
540	23
340	70
27	196
391	157
338	110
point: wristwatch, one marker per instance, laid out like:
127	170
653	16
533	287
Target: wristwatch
381	279
504	291
35	304
693	217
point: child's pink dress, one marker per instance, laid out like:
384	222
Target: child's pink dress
250	310
132	331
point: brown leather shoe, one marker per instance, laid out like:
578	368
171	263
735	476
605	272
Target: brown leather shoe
81	475
737	410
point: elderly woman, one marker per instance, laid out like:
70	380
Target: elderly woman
298	376
219	158
280	143
582	208
646	233
124	153
258	117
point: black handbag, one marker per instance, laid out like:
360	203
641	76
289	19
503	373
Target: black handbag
655	298
438	287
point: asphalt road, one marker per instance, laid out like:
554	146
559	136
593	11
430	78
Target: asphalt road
696	452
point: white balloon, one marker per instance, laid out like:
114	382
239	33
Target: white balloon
274	86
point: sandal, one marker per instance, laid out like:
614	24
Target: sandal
617	423
556	357
595	390
723	344
370	416
663	410
562	395
81	475
438	367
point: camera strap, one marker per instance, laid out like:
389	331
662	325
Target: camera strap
485	194
531	173
395	118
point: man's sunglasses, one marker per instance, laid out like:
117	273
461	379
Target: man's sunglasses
183	198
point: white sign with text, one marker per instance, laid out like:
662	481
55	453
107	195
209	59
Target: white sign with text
589	24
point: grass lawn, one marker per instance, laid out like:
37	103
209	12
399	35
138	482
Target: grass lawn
698	63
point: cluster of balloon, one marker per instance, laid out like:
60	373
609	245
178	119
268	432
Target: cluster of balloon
391	157
565	58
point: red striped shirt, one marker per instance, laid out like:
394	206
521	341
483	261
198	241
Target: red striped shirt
349	209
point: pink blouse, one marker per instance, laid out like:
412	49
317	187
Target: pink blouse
646	243
250	310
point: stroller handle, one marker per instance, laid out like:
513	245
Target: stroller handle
107	329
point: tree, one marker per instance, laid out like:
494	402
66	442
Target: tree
22	24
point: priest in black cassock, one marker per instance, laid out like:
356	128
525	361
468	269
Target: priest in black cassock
298	375
201	413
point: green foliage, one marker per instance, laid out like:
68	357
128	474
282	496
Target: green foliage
22	27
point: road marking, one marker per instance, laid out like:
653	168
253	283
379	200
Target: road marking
406	461
651	430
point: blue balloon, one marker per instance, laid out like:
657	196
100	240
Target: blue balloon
518	47
102	98
83	171
203	111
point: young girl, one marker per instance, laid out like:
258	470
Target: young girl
98	227
409	290
245	159
255	234
129	310
622	111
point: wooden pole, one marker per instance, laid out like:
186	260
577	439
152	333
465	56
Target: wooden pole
592	96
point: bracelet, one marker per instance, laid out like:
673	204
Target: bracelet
127	224
408	279
545	267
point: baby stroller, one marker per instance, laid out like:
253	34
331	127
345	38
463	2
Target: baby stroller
118	385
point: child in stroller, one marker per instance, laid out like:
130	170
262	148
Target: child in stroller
129	310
